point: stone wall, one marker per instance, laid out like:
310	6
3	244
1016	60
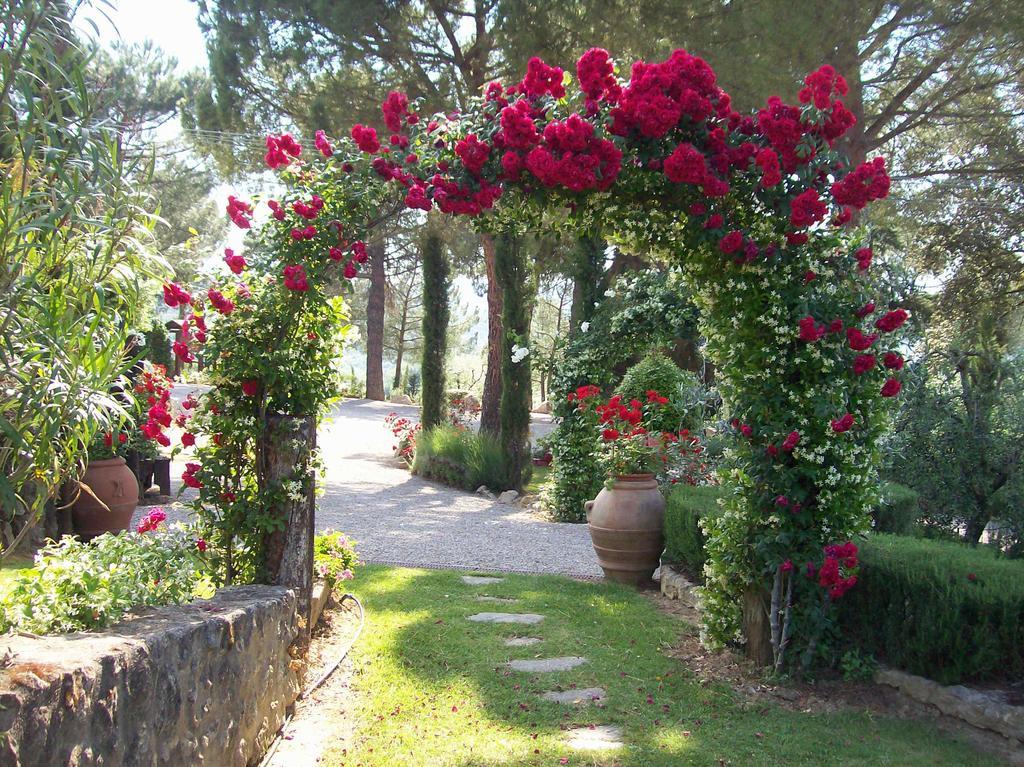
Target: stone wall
201	684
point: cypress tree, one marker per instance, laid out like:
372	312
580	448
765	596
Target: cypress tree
436	280
516	280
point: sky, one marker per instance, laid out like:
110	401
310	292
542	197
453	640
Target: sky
171	25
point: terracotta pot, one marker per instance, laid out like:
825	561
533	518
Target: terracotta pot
626	526
113	483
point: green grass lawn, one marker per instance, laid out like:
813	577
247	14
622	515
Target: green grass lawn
9	570
431	688
537	480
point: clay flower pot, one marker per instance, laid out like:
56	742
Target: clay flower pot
113	483
626	526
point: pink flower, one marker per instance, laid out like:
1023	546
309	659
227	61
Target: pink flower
791	441
188	439
365	138
151	521
321	143
201	545
235	263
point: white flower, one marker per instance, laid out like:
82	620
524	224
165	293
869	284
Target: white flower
609	293
584	327
519	353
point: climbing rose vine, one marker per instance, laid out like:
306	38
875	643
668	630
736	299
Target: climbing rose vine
758	210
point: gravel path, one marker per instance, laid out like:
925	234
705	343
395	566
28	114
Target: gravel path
401	519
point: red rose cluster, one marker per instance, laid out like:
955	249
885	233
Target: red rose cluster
280	150
838	573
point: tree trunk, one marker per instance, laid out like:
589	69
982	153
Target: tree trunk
490	411
756	627
288	442
588	270
375	323
398	366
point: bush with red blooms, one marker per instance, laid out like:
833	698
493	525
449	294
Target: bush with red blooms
404	431
626	442
757	208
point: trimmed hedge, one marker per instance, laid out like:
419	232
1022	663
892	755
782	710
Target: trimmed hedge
941	610
934	608
461	458
897	511
684	540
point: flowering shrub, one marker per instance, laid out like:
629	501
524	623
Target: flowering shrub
756	209
77	586
405	431
334	557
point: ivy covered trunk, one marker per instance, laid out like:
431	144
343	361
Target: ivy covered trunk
516	282
435	329
490	410
375	323
287	444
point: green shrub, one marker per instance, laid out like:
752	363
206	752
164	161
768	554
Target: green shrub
684	539
941	610
77	586
158	346
461	458
897	511
658	372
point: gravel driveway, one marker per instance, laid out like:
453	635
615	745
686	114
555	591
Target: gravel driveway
401	519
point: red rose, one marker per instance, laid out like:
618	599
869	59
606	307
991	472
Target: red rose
893	361
188	439
731	242
891	388
845	423
250	387
892	320
864	363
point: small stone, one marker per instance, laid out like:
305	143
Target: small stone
485	492
522	641
546	665
528	618
544	408
401	399
576	697
480	580
600	738
509	496
503	600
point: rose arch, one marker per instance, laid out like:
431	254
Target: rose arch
759	210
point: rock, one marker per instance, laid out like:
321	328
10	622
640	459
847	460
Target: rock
522	641
675	585
576	697
509	496
206	683
503	600
547	665
471	402
401	399
543	408
485	492
528	618
599	738
480	580
971	706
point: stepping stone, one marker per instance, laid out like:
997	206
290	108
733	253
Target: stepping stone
480	580
522	641
503	600
601	738
545	665
529	618
586	695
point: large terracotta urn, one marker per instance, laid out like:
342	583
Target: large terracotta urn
113	483
627	524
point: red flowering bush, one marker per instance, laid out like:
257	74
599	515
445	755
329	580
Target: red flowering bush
404	431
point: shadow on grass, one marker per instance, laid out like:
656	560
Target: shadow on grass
437	690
